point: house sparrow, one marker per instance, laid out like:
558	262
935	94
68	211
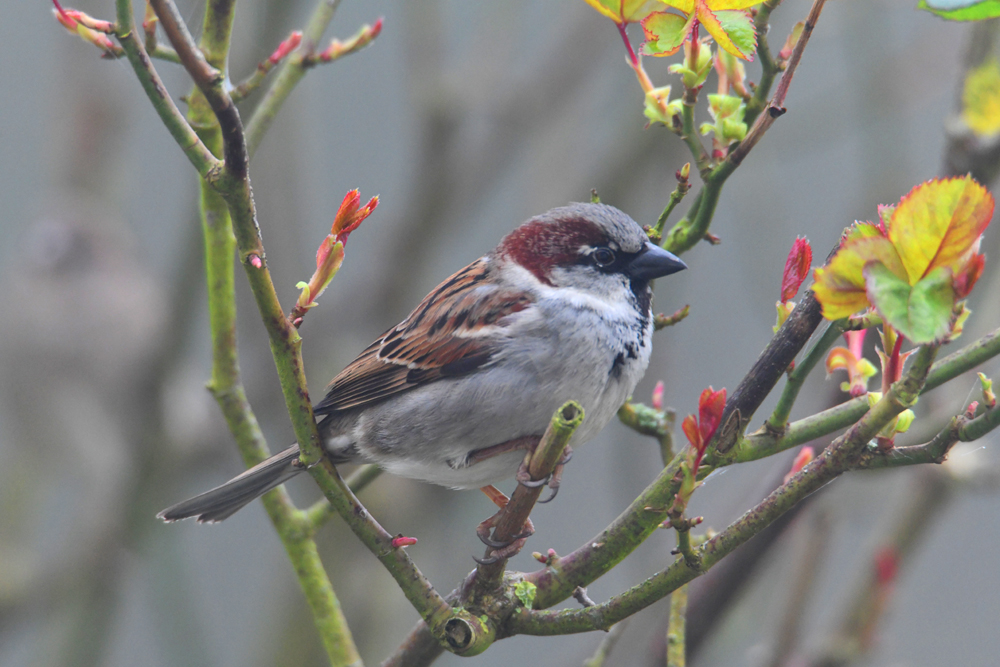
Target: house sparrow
560	310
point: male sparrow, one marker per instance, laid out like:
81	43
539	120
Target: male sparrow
560	310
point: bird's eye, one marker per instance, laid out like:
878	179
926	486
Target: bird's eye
604	256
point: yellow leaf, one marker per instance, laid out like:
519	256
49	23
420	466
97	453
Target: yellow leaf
938	223
686	6
981	99
624	11
718	5
840	285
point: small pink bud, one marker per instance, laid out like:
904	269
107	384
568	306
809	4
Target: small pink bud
63	17
970	411
286	47
255	261
297	322
658	395
400	541
791	41
802	459
886	566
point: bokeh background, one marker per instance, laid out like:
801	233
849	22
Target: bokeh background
467	118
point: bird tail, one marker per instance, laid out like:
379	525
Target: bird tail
222	501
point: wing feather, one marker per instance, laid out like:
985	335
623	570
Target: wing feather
450	333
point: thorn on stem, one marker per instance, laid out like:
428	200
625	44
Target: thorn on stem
580	594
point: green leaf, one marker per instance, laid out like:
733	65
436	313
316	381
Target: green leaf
525	592
962	10
922	313
739	26
665	33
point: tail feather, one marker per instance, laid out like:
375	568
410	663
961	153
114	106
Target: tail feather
222	501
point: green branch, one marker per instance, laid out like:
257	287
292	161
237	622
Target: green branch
513	517
775	108
763	443
779	418
207	165
769	69
842	455
690	134
290	74
676	654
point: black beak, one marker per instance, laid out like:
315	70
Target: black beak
654	262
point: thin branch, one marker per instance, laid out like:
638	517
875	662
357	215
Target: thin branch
676	633
769	69
815	538
779	418
683	186
226	384
763	444
693	227
209	81
514	516
776	108
164	53
322	511
290	74
927	497
607	645
690	134
766	372
207	165
284	339
842	455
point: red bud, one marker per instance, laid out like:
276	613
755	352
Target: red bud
796	268
400	541
802	459
351	214
699	430
710	406
658	395
286	47
886	566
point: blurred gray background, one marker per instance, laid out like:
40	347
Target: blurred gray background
467	118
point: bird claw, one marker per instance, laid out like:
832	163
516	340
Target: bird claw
552	480
553	492
508	551
501	550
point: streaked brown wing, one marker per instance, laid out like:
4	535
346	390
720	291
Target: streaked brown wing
447	335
